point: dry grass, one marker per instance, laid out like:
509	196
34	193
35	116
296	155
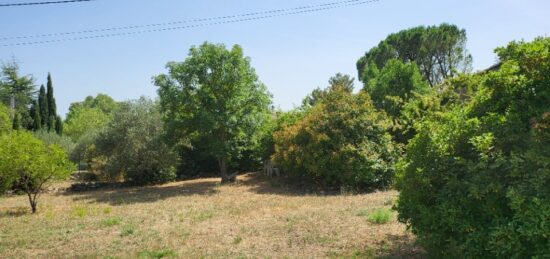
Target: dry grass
198	219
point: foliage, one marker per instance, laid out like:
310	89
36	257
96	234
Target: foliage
474	182
132	145
392	88
342	141
439	51
52	107
29	162
43	107
214	102
318	94
5	120
84	120
102	102
16	92
51	138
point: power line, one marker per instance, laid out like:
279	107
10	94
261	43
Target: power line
44	3
267	14
180	22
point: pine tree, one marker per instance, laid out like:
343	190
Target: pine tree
51	104
59	126
35	115
43	106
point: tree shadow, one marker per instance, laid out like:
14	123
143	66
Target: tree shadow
400	246
15	212
286	186
129	195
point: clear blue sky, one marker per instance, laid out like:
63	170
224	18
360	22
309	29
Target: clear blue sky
292	54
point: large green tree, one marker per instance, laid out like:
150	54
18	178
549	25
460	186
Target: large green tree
439	51
215	101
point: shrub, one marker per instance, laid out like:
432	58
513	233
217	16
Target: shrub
474	182
52	138
342	141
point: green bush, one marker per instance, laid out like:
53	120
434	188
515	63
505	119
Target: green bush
475	180
341	142
131	146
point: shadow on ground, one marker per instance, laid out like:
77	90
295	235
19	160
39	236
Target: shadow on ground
399	246
149	194
253	182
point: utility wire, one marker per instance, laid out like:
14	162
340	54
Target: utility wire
267	14
180	22
44	3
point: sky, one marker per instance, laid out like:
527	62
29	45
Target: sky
291	54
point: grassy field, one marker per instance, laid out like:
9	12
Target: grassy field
254	218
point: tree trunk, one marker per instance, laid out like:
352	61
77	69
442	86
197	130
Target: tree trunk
223	170
32	201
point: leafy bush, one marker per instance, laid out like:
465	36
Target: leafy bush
474	182
5	120
131	145
342	141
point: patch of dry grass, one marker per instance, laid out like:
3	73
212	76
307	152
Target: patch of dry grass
198	219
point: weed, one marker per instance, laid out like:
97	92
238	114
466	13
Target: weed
163	253
237	240
380	216
112	221
107	210
127	230
79	212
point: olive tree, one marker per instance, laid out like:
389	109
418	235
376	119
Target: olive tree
29	162
214	101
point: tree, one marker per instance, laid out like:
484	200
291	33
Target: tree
58	125
215	101
439	51
35	116
341	142
392	88
16	91
102	101
133	147
84	120
52	108
25	159
474	182
5	120
43	107
337	81
16	125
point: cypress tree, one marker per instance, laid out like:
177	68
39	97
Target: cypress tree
35	115
51	104
59	126
16	121
43	106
